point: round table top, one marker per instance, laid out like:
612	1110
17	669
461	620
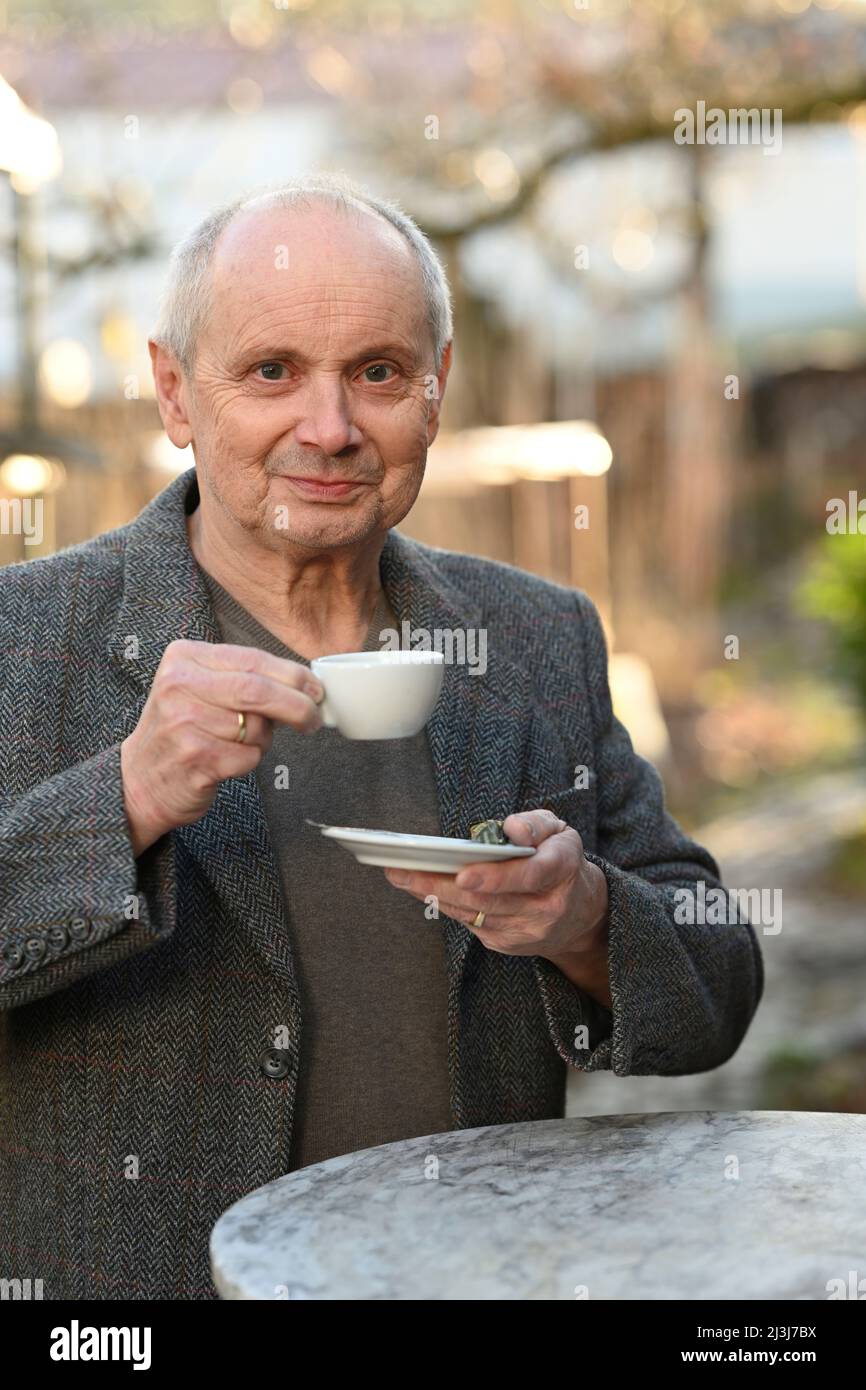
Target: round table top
693	1205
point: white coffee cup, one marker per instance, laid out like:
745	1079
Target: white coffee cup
388	694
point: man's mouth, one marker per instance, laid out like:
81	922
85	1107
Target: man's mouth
323	487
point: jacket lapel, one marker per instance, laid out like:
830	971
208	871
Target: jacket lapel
165	600
478	730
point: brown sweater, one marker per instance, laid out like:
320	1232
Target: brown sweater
374	1049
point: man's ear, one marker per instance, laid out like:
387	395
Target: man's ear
436	403
170	394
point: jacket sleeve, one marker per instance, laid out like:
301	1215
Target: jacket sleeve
683	994
73	899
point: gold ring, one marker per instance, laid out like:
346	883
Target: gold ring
242	727
478	919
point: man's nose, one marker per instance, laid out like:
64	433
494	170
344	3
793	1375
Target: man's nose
326	418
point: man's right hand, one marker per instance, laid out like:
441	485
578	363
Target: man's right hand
186	741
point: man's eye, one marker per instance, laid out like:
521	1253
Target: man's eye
272	371
377	367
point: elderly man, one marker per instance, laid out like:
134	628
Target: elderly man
200	992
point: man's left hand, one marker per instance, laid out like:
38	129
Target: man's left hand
552	904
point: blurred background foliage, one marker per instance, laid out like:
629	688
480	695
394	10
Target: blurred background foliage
835	593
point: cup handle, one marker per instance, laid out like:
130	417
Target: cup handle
327	715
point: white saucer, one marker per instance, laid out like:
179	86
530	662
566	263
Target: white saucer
432	853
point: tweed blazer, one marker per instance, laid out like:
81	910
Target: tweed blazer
143	1000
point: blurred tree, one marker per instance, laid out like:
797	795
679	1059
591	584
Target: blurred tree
528	89
114	237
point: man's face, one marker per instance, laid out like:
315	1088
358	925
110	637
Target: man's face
315	367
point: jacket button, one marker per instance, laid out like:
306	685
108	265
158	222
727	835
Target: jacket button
275	1062
13	954
79	928
58	937
34	948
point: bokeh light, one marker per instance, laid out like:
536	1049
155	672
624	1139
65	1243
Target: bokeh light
65	372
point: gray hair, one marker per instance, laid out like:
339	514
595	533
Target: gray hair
186	299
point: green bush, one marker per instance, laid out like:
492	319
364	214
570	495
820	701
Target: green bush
835	591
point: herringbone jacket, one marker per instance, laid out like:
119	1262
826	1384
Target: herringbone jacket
137	1090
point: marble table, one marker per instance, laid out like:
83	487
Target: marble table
701	1205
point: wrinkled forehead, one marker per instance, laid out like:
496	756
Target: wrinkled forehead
342	262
